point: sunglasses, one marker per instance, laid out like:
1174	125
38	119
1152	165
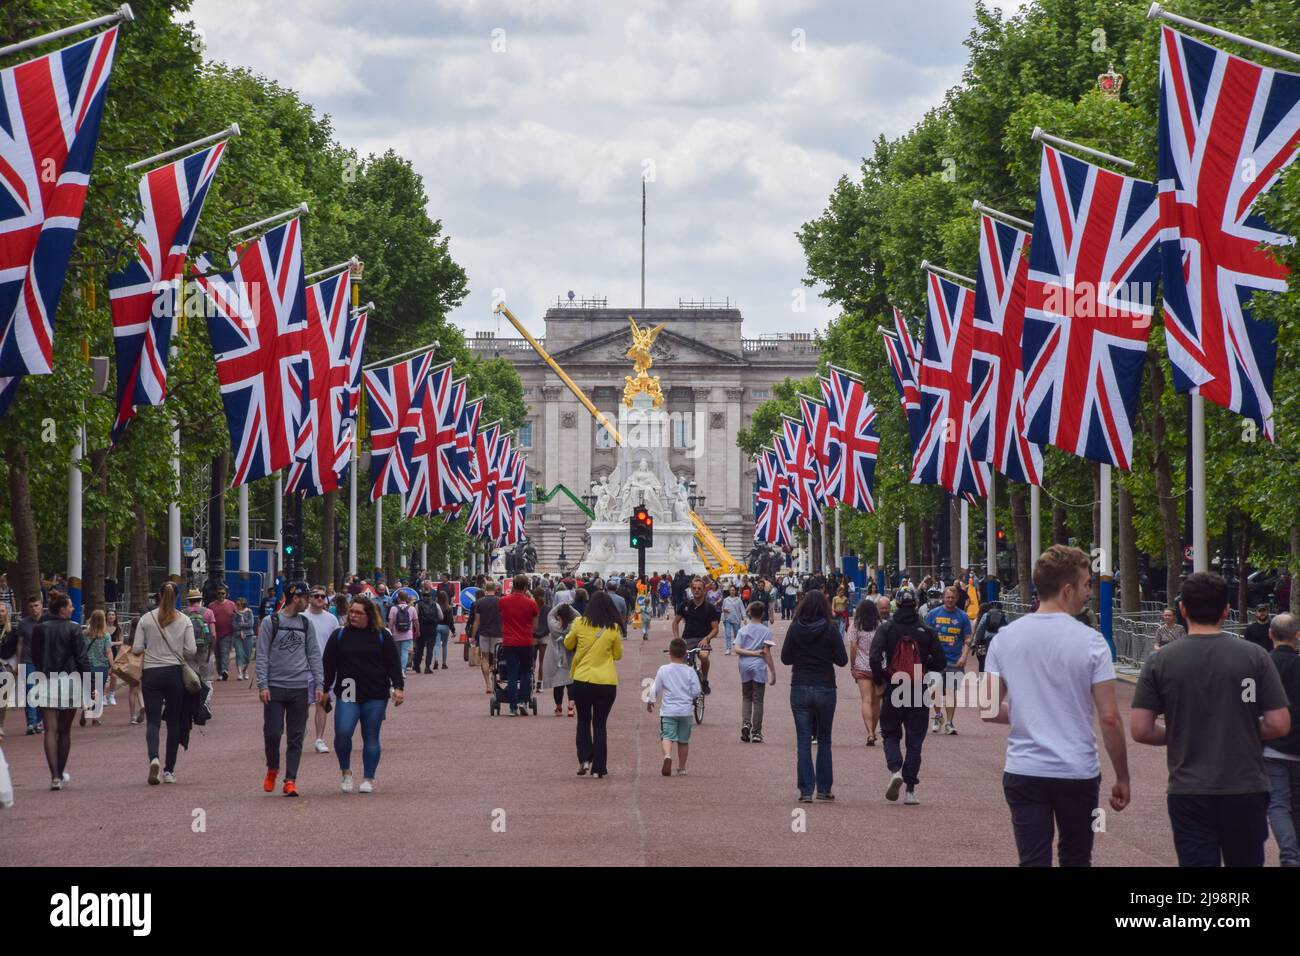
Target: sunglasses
318	594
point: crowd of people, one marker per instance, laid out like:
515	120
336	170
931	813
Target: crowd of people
1220	705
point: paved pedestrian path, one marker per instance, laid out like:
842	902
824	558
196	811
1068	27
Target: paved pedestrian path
456	786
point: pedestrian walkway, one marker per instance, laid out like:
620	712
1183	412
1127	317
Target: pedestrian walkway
456	786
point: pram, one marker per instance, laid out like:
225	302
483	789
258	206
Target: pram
500	693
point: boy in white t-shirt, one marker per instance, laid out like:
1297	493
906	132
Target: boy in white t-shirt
754	646
679	685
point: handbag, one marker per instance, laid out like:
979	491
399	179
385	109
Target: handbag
127	667
474	655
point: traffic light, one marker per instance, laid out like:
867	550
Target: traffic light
1002	540
289	535
640	529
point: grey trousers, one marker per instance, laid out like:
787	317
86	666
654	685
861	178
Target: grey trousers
751	705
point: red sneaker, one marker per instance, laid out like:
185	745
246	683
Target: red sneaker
290	788
269	783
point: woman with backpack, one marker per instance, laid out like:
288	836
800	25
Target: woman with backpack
165	638
812	650
364	657
861	631
404	624
990	623
446	626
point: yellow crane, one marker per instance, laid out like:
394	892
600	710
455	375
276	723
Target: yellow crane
717	559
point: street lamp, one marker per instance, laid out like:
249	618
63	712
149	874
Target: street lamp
563	558
697	500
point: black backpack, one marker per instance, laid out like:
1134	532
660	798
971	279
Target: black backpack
402	619
430	613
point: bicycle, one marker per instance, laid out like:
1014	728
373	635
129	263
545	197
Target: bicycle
693	659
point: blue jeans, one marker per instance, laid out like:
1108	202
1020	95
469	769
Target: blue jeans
243	649
730	632
33	713
440	636
1284	807
371	715
404	652
814	711
519	665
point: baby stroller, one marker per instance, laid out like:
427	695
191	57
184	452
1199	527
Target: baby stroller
500	693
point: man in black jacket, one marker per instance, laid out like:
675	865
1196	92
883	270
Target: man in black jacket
1282	754
430	616
904	705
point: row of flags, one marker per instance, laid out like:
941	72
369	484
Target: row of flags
427	445
1049	345
825	457
288	354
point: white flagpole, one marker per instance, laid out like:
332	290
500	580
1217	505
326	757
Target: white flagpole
229	131
298	210
1035	531
74	526
1039	136
243	533
1158	12
991	537
1105	599
902	546
821	540
839	554
379	536
1200	541
965	535
352	514
123	14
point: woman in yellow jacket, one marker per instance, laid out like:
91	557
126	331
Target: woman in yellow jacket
596	642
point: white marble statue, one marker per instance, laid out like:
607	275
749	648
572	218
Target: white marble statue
642	485
681	499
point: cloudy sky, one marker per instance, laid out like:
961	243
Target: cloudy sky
533	122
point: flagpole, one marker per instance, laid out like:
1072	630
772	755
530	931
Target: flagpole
277	523
1200	541
839	555
821	540
1107	590
902	547
991	542
379	537
243	536
1005	217
352	511
1158	12
954	276
123	14
407	354
880	567
1039	136
964	550
331	270
298	210
174	506
229	131
75	521
1035	532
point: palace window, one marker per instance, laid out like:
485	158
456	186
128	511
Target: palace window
603	438
682	432
526	435
761	392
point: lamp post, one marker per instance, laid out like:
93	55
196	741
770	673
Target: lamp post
563	557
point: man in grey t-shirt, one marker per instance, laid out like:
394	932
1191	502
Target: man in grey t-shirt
1220	697
487	628
289	669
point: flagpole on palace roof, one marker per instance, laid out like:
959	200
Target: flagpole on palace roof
954	276
1158	12
227	133
123	15
1005	217
1039	136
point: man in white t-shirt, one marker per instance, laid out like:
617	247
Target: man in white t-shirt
323	624
1046	672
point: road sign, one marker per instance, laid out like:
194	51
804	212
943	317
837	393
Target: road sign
1188	552
187	546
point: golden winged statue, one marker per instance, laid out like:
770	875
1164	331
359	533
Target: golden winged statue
639	353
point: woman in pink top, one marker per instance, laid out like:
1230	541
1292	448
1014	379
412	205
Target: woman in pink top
862	628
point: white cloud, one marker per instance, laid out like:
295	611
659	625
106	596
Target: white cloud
532	157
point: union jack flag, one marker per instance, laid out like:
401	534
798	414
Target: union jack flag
357	326
816	425
904	356
142	296
771	501
394	395
324	437
805	473
943	457
482	491
258	329
997	380
501	485
1092	271
434	486
1228	128
801	507
466	432
515	500
852	441
50	110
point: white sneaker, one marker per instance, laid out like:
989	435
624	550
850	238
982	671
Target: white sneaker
169	777
949	729
112	700
681	771
154	766
56	784
346	785
321	748
910	799
895	784
935	724
67	777
367	787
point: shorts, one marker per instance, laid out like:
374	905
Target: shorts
675	728
861	675
694	642
489	643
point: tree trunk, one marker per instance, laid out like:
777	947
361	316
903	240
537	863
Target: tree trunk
1095	551
1020	526
1130	595
919	547
328	557
1060	531
96	539
27	572
1295	568
1243	570
139	597
216	543
1164	483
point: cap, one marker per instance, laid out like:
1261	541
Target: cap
291	591
905	597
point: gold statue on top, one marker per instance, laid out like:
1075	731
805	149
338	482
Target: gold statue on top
639	353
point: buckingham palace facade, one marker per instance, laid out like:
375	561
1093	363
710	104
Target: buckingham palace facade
712	377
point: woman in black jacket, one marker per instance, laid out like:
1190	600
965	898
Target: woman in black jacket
361	667
813	649
59	653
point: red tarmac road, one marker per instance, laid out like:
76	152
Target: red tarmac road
449	773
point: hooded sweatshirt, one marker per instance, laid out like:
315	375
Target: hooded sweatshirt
813	650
